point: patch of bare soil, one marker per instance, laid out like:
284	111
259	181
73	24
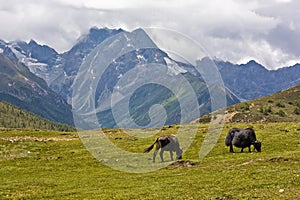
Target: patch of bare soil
229	117
221	198
275	159
281	159
182	164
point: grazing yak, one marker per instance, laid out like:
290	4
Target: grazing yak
242	138
165	143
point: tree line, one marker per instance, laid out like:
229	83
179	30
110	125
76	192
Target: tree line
13	117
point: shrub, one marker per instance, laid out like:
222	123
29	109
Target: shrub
281	113
280	105
244	107
297	111
265	111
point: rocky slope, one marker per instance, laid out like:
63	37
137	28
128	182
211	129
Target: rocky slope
21	88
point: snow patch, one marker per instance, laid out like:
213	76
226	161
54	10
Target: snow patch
32	63
140	57
173	67
11	84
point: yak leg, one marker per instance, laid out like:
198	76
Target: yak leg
231	149
249	148
162	155
154	155
171	155
242	150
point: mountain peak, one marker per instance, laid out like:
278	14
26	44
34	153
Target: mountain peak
32	43
95	28
97	35
254	65
252	62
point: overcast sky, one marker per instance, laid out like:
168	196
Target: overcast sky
267	31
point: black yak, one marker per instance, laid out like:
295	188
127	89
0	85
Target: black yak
242	138
165	143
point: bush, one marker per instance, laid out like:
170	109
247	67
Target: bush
265	111
297	111
280	105
244	107
281	113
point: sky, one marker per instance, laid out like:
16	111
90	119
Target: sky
267	31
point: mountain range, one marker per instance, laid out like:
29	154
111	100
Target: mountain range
57	72
252	80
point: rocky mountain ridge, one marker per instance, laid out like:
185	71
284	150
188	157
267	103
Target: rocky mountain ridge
242	82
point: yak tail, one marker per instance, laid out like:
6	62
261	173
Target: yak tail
150	148
230	135
228	140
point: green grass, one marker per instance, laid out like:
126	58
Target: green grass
56	165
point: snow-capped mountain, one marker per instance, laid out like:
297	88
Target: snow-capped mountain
134	65
40	59
242	82
58	70
72	59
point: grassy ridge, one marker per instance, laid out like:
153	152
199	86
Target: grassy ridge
13	117
280	107
55	165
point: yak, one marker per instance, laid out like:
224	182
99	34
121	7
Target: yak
165	143
242	138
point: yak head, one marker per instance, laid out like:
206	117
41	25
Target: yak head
179	154
257	145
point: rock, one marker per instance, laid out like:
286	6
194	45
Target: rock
281	190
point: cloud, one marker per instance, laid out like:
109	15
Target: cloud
235	30
286	34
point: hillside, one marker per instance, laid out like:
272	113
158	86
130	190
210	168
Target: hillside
13	117
20	87
283	106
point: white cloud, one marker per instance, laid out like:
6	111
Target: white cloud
235	30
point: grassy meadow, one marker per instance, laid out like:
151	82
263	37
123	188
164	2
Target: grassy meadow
55	165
